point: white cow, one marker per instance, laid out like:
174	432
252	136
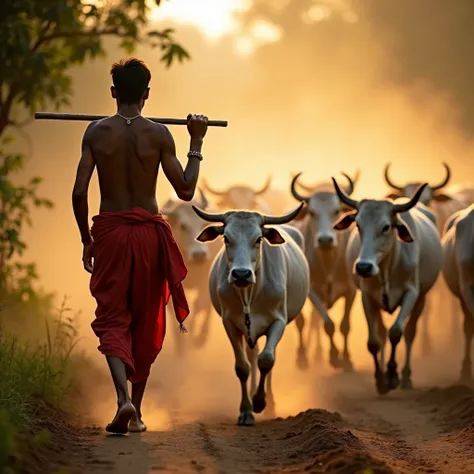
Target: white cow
325	252
458	272
268	201
241	197
396	255
258	286
444	201
186	225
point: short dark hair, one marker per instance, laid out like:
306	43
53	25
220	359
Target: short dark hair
131	78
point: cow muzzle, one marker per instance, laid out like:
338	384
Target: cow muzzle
242	277
325	241
366	269
198	255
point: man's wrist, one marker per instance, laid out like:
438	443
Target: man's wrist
86	240
196	144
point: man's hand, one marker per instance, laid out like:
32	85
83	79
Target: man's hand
87	255
197	126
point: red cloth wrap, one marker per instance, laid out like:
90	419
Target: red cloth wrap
137	266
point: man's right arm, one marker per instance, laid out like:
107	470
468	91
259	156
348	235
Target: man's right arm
183	181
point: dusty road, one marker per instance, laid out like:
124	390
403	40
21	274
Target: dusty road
424	430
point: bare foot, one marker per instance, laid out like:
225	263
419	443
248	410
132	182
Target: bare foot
136	425
119	424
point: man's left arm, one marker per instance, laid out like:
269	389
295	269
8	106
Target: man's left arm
81	187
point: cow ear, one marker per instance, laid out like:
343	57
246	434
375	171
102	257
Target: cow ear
393	195
345	221
302	214
441	197
273	236
403	232
210	233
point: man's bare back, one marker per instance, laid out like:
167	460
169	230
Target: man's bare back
128	157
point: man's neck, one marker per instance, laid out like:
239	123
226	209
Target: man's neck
129	110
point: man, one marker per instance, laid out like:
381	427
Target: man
130	251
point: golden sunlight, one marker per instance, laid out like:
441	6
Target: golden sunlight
213	17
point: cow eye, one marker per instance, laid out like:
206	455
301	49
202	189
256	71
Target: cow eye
183	226
385	229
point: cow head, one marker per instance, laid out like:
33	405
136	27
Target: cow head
238	197
379	224
243	232
186	225
322	209
430	193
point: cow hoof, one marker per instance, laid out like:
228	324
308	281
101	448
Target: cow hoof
381	384
259	403
246	418
406	383
347	365
466	373
392	380
302	360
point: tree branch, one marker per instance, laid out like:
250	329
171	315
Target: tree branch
77	34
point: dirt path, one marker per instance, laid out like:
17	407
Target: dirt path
416	431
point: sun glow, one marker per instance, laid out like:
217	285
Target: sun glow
213	17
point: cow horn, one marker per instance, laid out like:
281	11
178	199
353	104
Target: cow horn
207	216
388	180
406	206
294	192
276	220
204	201
265	186
350	188
211	190
344	197
446	179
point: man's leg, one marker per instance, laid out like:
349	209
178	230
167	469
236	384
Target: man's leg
148	309
136	423
125	410
110	287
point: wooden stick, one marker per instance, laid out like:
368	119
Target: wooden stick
89	118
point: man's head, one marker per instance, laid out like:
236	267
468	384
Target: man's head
131	78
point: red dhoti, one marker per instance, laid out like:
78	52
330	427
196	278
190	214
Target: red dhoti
137	266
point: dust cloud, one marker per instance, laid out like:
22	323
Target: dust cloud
320	101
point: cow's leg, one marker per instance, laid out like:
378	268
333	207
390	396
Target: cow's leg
410	333
425	330
395	334
266	360
382	332
328	327
203	334
316	329
301	357
270	406
468	310
252	355
345	328
372	315
242	369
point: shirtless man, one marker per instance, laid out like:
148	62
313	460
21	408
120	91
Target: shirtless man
134	260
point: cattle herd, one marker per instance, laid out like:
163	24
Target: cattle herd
256	258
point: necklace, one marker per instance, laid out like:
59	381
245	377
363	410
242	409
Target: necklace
128	119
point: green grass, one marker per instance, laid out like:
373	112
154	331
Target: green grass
32	375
